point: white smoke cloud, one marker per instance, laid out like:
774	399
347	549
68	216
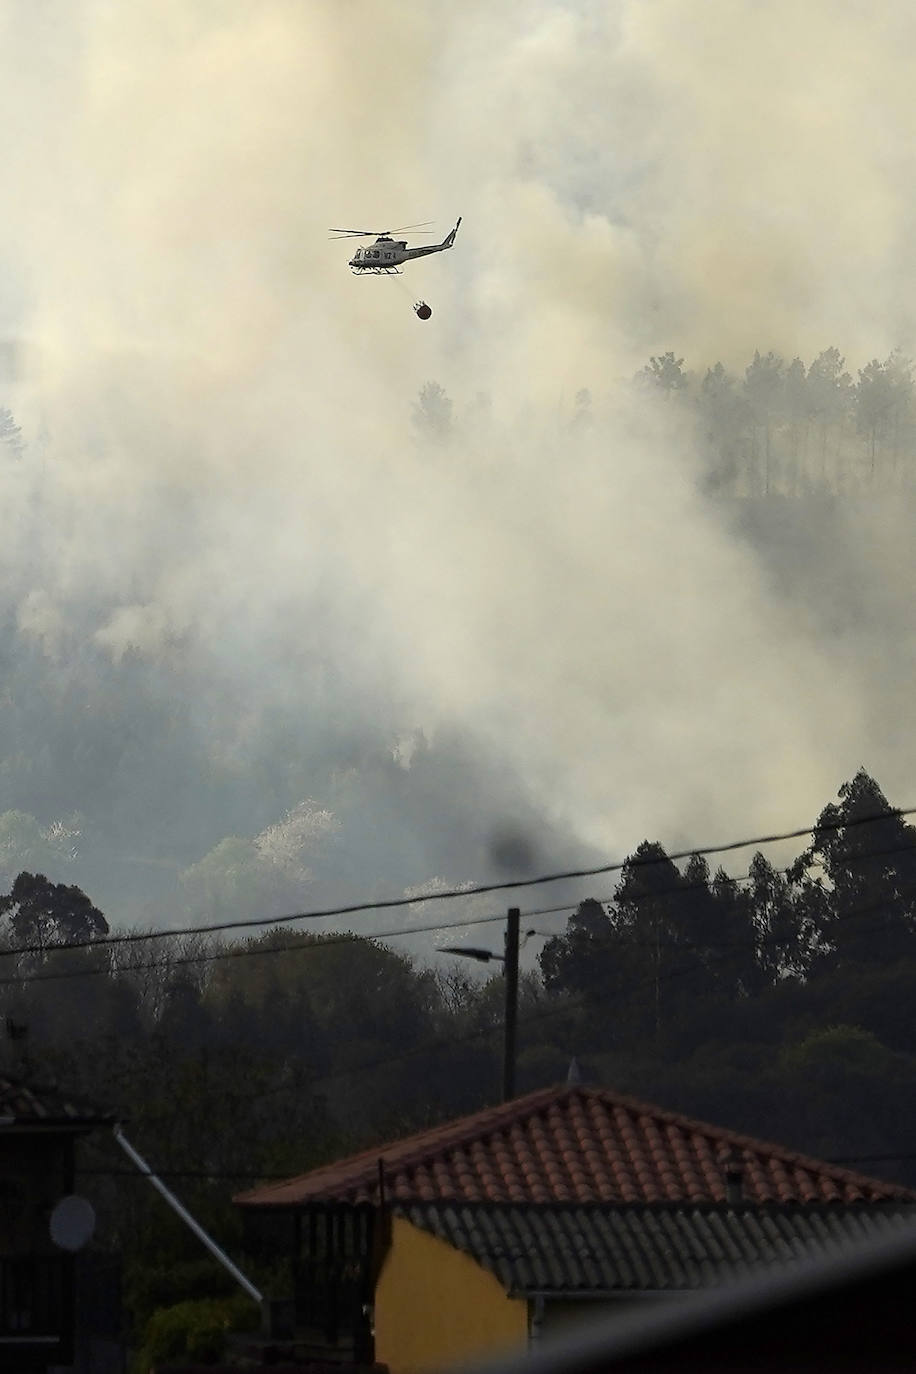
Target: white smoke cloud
228	408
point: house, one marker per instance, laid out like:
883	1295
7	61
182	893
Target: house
848	1310
513	1224
39	1128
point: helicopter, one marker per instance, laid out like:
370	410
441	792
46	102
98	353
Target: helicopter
385	256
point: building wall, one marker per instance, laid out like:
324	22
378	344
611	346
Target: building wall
563	1316
434	1306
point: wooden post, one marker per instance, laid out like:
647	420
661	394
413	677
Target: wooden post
511	967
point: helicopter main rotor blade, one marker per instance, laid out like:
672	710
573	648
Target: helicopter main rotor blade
354	233
400	230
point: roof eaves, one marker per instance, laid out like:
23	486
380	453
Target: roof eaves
634	1250
603	1294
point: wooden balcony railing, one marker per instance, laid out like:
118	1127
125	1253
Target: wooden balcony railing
35	1300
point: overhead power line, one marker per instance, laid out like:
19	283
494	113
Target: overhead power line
323	941
430	1047
237	952
474	890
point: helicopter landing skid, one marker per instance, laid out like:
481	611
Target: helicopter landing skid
377	271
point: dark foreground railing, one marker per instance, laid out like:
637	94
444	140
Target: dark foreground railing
36	1310
32	1295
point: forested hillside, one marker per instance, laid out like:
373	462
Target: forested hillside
776	1002
157	784
179	773
794	429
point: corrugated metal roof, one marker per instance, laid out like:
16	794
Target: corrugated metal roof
32	1105
580	1145
586	1251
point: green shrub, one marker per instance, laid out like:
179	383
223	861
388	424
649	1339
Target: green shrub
194	1330
152	1286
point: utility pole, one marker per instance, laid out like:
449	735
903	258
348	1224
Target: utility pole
510	968
511	971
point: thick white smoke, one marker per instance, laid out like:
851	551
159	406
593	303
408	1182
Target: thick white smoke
219	413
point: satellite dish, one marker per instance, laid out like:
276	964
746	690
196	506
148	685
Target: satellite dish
72	1222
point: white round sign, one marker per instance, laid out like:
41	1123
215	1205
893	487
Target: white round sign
72	1222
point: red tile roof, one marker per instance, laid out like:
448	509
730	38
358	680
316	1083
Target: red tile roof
576	1144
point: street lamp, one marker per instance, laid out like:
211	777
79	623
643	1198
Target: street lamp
510	962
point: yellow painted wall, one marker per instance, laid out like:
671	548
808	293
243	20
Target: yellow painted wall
435	1305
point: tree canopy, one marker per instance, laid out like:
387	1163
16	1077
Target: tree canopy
782	427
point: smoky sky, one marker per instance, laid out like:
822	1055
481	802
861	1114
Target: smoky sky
222	477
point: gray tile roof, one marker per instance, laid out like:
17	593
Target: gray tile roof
32	1105
601	1248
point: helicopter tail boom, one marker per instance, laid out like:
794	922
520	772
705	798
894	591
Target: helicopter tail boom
450	238
409	253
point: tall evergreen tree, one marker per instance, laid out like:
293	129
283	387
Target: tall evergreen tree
42	913
764	387
830	398
665	372
874	402
725	419
432	413
797	405
868	855
10	433
782	934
